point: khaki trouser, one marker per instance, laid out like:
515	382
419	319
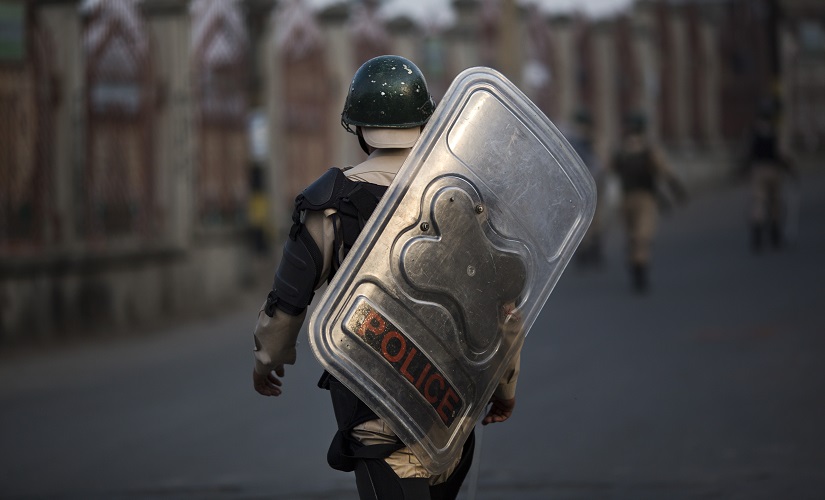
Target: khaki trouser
639	211
766	185
403	462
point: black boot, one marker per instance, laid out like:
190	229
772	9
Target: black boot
756	237
640	277
775	232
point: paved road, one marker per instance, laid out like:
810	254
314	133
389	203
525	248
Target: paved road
711	387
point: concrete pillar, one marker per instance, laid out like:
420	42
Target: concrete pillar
511	41
645	39
63	22
682	65
605	107
272	104
711	81
341	66
169	28
463	37
564	79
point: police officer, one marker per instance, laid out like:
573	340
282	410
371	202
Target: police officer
766	168
641	169
387	106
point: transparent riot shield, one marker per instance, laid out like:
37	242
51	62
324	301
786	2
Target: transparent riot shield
445	281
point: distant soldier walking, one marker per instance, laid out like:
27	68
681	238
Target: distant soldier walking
641	169
767	168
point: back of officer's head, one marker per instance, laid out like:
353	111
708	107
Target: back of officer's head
389	100
635	124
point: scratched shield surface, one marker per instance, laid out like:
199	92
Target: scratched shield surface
452	270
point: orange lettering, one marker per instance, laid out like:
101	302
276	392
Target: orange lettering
393	358
432	398
421	377
373	323
446	403
406	365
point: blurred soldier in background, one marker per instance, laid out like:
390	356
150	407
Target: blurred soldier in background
766	167
642	171
581	138
328	217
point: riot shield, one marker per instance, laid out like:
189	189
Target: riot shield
448	276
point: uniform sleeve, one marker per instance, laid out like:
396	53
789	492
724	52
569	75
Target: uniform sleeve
276	337
660	162
664	170
510	329
507	385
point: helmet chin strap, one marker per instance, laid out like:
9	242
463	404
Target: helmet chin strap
366	147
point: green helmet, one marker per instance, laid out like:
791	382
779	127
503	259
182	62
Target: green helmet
635	123
387	91
582	116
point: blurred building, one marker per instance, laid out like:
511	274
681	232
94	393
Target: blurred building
132	132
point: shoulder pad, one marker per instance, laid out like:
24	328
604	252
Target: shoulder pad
325	188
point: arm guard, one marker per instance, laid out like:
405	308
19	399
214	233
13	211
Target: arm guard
297	276
302	261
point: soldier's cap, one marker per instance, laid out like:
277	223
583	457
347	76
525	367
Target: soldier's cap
380	137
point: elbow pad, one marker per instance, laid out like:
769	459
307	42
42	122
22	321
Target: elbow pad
297	276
